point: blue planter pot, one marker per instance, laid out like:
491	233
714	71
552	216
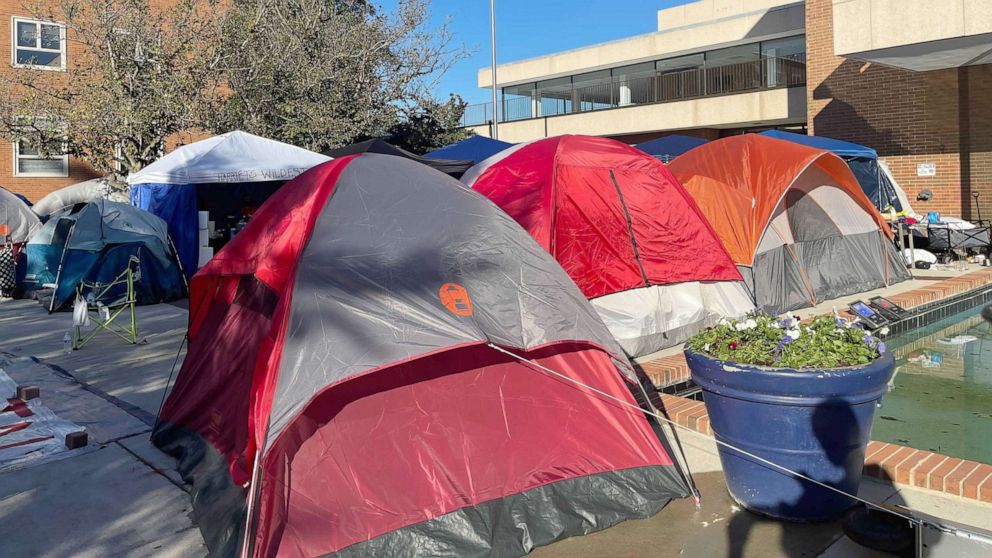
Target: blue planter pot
815	422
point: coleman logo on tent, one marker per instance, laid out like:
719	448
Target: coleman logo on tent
455	298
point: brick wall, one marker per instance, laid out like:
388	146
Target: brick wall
34	188
941	117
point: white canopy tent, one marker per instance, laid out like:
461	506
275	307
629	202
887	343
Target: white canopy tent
225	176
232	157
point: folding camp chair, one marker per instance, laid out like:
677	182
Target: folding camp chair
107	314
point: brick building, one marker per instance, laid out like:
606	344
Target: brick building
910	114
30	45
912	79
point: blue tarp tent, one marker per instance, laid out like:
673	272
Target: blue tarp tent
863	162
669	147
224	175
474	148
94	242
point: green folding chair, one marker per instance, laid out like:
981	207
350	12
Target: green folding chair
108	317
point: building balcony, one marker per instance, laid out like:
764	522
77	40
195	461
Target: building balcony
762	74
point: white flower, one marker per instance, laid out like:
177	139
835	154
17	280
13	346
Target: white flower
793	333
723	321
750	324
883	332
740	326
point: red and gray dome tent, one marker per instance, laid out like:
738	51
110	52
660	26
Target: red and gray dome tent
624	229
362	379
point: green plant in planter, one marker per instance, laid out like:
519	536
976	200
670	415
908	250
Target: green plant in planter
764	340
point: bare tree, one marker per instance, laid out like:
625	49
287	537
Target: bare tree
137	77
143	75
324	73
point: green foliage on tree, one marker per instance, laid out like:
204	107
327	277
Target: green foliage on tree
432	126
327	73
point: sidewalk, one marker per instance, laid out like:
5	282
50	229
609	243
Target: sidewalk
121	496
118	496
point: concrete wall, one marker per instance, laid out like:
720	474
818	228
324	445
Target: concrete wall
746	28
863	25
940	117
770	107
701	11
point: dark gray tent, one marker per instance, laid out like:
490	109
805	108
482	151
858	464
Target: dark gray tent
454	168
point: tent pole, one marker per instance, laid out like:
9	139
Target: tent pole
58	274
492	38
250	511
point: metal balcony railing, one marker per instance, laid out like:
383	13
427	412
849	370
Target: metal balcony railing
756	75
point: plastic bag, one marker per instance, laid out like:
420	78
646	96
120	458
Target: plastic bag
80	313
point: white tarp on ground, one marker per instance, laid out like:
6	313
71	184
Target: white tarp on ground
233	157
660	316
28	432
81	192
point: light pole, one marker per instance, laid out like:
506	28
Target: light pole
492	36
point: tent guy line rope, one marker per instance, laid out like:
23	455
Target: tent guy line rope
658	415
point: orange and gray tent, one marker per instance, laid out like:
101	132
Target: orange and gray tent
793	218
383	363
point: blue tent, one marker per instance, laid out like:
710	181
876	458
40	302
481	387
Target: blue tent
863	162
841	148
670	147
94	242
474	148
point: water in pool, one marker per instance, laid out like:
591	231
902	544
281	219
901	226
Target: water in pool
941	397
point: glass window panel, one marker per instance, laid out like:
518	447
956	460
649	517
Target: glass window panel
634	71
23	148
789	47
592	78
689	62
557	85
38	58
733	55
40	166
27	34
522	90
51	37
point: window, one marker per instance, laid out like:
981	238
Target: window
792	48
38	44
29	161
732	55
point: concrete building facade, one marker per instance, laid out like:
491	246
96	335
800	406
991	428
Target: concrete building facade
910	78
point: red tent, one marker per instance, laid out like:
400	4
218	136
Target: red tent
617	220
361	380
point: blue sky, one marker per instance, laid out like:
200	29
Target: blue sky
528	28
